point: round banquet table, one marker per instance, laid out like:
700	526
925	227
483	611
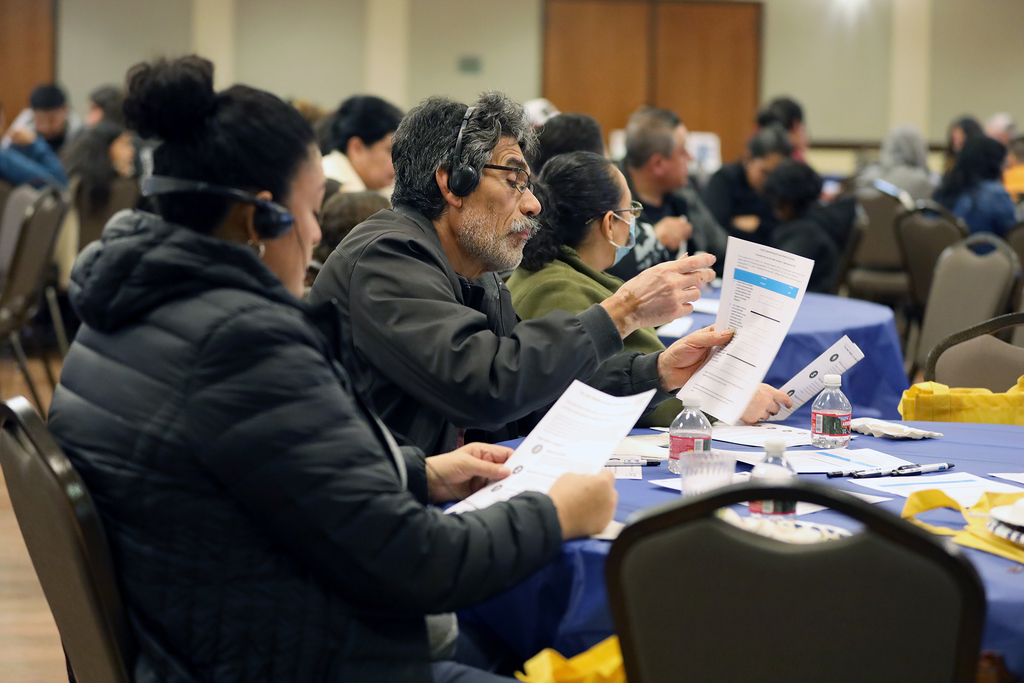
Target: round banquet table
874	385
564	605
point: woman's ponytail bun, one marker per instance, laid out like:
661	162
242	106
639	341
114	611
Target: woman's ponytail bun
170	100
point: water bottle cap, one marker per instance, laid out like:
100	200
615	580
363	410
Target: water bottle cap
775	446
833	380
691	401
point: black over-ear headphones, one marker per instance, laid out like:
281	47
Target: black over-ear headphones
270	221
462	179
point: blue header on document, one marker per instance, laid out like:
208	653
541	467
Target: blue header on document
766	283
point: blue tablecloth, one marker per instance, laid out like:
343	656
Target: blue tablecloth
874	385
564	605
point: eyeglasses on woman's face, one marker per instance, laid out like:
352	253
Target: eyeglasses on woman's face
635	209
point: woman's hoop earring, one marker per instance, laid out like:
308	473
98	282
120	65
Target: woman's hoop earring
260	248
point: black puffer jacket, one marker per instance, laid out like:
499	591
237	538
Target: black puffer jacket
256	512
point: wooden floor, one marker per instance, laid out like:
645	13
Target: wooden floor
30	650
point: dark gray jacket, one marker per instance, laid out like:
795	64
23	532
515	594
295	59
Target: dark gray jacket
256	510
436	352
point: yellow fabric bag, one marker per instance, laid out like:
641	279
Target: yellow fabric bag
974	535
600	664
936	402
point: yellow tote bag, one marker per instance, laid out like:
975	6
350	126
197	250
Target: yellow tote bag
974	534
600	664
934	402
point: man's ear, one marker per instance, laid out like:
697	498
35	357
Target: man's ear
453	200
355	145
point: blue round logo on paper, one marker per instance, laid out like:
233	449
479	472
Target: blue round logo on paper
833	358
496	488
517	470
814	374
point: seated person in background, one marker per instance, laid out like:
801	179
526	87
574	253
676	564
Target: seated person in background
29	160
105	103
674	218
586	226
960	131
806	227
1001	127
341	213
263	523
904	163
428	325
734	193
1013	177
564	133
787	112
101	154
358	149
974	190
48	117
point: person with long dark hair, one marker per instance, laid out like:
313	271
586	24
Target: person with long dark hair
101	154
589	224
264	524
973	188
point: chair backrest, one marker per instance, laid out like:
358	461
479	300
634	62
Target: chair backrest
1015	238
696	598
973	358
967	288
68	547
31	258
124	193
5	190
853	240
922	234
878	248
17	212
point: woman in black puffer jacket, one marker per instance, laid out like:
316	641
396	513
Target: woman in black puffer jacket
264	524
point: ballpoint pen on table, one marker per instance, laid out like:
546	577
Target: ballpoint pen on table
883	471
639	462
922	469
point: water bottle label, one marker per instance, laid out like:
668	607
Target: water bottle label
773	507
682	444
827	424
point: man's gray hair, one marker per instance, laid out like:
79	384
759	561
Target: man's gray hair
425	142
649	132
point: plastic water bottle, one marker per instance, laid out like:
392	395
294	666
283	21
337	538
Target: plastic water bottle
830	416
690	431
773	469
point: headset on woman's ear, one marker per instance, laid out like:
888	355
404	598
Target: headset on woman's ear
270	221
463	179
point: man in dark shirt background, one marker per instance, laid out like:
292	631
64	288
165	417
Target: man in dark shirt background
674	218
735	192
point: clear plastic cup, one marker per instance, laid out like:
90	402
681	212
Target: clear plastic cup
703	471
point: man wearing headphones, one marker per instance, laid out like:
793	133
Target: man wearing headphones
428	329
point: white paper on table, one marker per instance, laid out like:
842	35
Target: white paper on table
964	488
578	434
757	434
677	328
703	305
761	293
802	508
1012	476
822	462
638	447
626	471
809	382
610	532
676	482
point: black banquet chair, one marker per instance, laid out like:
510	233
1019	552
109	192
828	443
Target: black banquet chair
695	598
68	547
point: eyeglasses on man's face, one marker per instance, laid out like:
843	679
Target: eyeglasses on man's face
522	181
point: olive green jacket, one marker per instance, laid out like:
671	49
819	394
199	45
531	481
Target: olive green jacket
568	284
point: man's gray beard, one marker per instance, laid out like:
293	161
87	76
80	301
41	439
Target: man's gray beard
478	239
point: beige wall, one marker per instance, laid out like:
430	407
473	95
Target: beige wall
97	40
442	31
303	48
977	60
835	56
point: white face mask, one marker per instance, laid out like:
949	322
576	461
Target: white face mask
620	252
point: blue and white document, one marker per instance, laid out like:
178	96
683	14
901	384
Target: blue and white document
761	292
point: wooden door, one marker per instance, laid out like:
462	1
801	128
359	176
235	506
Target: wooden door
596	55
26	51
708	67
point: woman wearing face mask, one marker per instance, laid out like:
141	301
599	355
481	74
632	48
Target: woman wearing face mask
588	224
